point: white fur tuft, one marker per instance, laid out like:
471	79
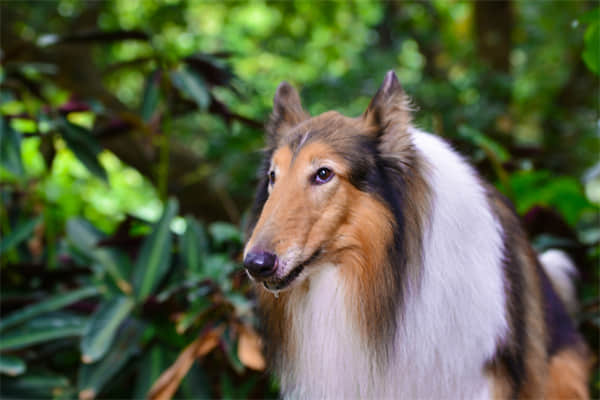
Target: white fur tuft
562	272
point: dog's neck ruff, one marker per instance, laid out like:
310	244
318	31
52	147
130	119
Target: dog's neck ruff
449	327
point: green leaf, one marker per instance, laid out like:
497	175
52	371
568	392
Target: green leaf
93	377
217	267
491	147
591	16
84	237
233	390
591	51
21	232
178	286
35	386
52	304
11	365
196	385
192	86
223	232
193	244
151	95
10	148
230	343
117	264
191	316
42	329
84	145
102	327
562	193
155	255
150	366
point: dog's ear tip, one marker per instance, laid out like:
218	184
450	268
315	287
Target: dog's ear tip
391	82
287	109
390	74
284	90
283	86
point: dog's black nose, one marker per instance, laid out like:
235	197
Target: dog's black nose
260	264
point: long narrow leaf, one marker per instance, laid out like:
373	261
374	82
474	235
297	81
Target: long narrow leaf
10	148
151	95
101	329
117	265
151	364
193	245
192	315
154	259
42	330
93	377
192	85
34	386
11	365
52	304
84	237
84	145
196	384
21	232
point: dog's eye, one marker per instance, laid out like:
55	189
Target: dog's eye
323	175
271	177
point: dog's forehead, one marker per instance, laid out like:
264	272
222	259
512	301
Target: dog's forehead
330	128
316	151
282	157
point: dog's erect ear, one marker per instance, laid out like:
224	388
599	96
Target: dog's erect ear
287	112
388	115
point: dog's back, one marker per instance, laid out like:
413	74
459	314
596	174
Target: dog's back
391	270
546	357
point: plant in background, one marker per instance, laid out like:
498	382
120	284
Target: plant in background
95	295
129	302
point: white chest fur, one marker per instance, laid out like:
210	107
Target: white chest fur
330	356
450	326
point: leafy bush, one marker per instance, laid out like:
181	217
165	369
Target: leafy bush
120	307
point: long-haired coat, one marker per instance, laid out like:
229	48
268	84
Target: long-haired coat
387	268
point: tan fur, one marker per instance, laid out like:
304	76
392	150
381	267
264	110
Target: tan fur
501	385
361	248
569	374
343	221
536	338
298	213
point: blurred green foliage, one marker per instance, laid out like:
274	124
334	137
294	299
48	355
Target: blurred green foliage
131	132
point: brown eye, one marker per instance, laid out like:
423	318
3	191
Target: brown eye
323	175
271	177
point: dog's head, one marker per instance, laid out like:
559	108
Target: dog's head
322	195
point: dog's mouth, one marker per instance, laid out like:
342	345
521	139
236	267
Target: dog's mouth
282	283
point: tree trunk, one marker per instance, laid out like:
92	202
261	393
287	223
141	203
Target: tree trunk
493	28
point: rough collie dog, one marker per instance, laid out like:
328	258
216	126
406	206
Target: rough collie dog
386	267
